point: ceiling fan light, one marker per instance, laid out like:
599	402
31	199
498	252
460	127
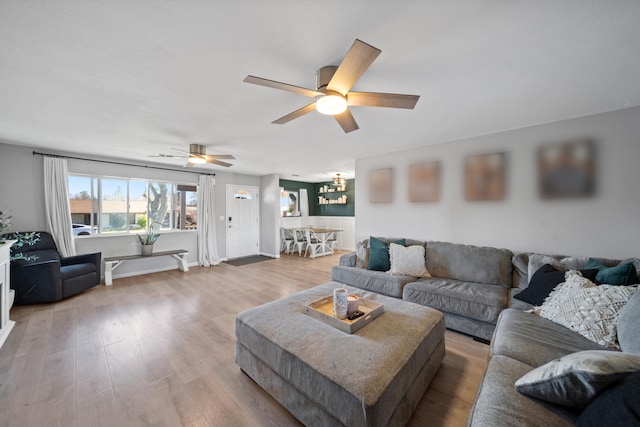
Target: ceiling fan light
331	104
197	160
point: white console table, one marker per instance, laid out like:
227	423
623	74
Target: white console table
111	263
6	294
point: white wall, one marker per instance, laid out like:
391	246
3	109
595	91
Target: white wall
605	225
22	192
270	215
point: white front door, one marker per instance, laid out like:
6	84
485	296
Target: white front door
243	222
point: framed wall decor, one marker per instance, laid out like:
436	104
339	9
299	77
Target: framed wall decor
289	203
381	185
424	182
566	170
485	177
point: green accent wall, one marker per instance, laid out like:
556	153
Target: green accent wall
313	188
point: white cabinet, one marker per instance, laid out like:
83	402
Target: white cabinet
6	295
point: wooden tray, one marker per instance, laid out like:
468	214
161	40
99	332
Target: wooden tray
322	309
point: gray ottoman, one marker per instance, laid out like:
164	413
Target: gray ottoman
326	377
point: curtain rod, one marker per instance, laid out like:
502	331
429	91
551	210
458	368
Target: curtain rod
59	156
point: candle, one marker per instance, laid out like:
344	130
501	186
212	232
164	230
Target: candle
352	303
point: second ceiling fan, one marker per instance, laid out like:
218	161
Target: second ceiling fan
333	94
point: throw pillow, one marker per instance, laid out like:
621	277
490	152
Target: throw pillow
621	274
544	281
537	260
575	379
615	407
362	255
409	261
379	254
590	310
629	325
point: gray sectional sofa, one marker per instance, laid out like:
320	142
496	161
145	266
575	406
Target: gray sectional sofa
474	288
470	285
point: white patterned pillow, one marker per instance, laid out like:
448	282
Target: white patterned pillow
590	310
408	261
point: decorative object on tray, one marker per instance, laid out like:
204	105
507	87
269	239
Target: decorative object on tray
147	240
322	310
352	303
340	303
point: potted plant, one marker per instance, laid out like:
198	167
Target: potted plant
147	240
5	223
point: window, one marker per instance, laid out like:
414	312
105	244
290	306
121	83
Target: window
119	205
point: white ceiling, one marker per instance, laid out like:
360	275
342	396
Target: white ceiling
129	79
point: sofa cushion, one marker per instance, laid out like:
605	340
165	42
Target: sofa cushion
568	263
376	281
489	266
520	270
590	310
75	270
498	404
576	379
474	300
534	340
623	274
362	255
379	254
615	407
408	261
348	260
544	281
629	325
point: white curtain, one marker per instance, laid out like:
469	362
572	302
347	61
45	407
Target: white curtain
207	245
56	203
304	202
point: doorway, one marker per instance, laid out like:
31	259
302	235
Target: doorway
243	221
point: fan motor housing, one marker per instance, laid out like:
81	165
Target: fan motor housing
197	150
323	77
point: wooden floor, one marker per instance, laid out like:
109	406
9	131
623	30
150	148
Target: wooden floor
158	350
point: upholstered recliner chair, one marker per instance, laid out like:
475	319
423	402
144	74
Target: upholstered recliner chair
39	274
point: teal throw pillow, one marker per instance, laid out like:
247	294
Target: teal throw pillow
620	275
379	254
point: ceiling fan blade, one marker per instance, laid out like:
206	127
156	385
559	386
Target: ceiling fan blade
219	163
354	64
219	156
298	113
282	86
347	122
169	156
373	99
182	151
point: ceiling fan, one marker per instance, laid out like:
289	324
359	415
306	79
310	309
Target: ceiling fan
197	155
333	96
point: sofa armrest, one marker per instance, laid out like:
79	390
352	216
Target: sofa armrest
94	258
35	283
348	260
